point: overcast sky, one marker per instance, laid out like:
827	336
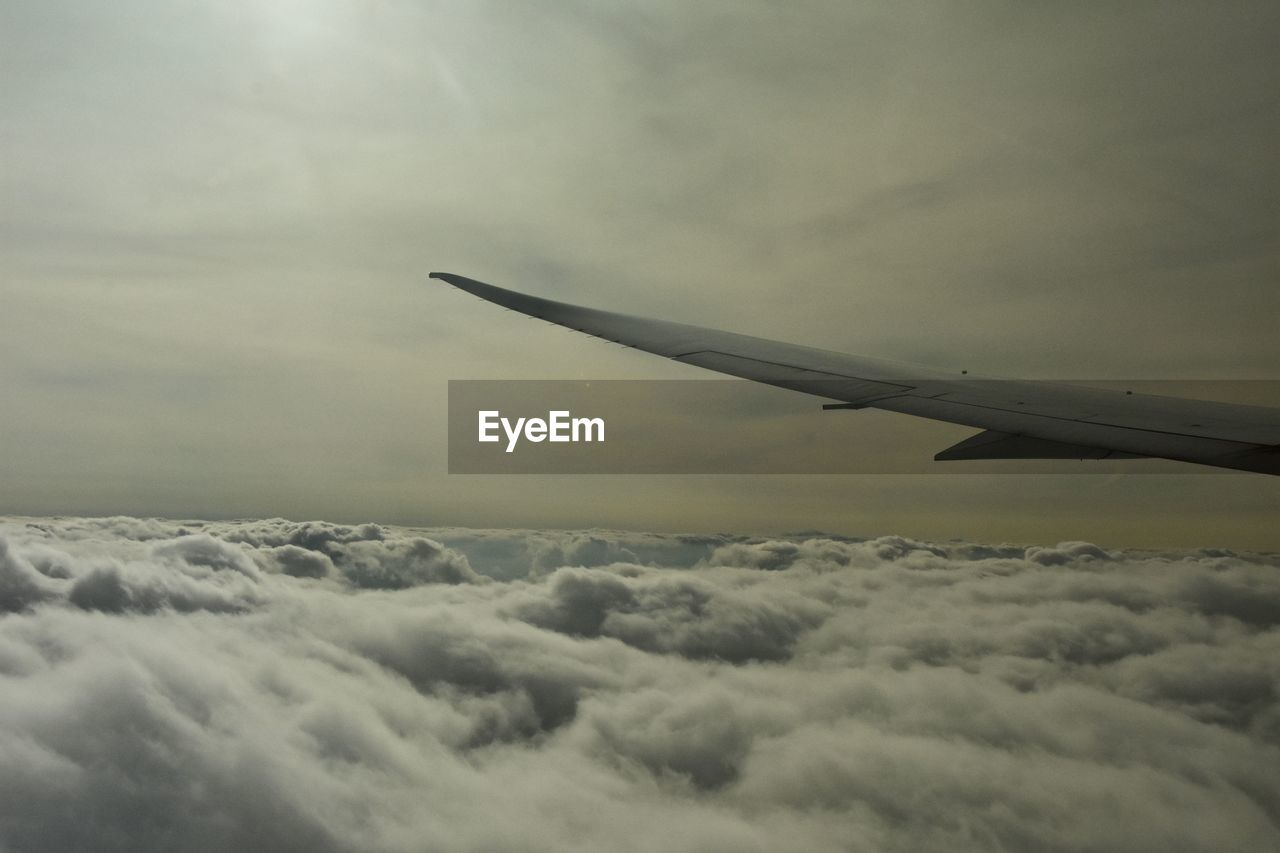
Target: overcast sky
219	218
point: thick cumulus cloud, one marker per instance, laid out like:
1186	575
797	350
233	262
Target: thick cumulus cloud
661	611
272	685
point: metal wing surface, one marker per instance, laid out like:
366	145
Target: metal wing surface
1020	419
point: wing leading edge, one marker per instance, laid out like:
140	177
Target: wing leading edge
1020	419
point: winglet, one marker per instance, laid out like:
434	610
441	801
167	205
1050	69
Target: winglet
456	280
479	288
535	306
992	444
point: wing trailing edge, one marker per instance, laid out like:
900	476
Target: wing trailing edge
990	444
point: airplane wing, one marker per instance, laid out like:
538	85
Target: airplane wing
1019	419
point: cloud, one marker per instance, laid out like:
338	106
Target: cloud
21	585
273	685
670	611
299	562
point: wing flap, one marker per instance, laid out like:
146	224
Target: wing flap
991	444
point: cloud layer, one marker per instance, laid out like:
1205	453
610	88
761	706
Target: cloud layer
271	685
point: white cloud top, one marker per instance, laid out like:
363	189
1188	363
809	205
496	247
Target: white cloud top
271	685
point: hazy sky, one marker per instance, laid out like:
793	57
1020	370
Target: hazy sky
219	218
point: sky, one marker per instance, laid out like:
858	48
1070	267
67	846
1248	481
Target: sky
221	216
279	686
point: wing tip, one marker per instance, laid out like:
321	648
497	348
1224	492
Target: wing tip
459	281
462	282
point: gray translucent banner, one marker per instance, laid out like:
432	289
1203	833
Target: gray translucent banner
731	426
